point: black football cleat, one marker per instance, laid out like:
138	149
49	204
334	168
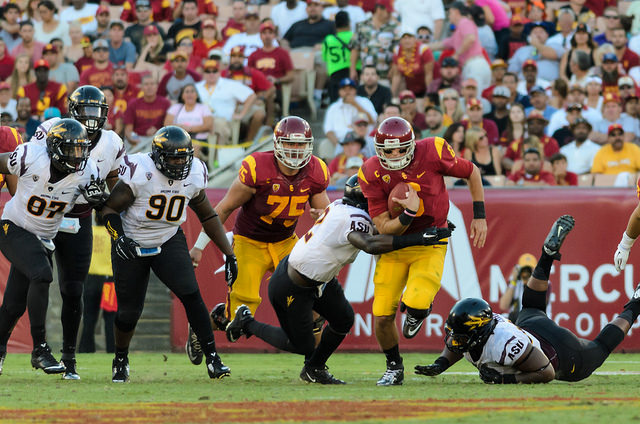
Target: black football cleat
319	375
41	358
3	355
216	368
393	376
120	370
218	318
235	329
559	231
411	326
193	348
70	372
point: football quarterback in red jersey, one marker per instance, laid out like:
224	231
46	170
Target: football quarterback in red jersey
421	164
271	190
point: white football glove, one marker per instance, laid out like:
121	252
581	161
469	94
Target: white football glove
620	257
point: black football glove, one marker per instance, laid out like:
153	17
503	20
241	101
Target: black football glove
230	269
493	376
126	247
433	235
439	366
95	192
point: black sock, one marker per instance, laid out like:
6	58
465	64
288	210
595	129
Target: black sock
393	356
70	315
38	334
198	317
208	348
275	336
329	342
122	353
543	268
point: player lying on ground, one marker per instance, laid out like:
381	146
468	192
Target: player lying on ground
535	349
305	281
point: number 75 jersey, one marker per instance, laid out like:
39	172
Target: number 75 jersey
160	203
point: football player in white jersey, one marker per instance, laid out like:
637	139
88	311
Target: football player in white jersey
88	105
305	281
50	181
535	349
143	216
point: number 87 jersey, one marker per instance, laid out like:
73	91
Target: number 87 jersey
160	203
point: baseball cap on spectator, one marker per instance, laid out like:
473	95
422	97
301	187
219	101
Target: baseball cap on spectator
473	103
176	54
614	127
209	23
85	42
49	48
116	23
252	13
535	89
610	57
237	51
101	10
101	43
351	136
449	62
142	3
529	62
469	82
267	25
216	54
610	97
626	80
593	79
534	114
314	1
433	107
120	66
361	120
211	64
386	4
347	82
150	30
578	121
498	63
575	106
52	112
582	27
519	20
184	34
5	85
531	150
353	162
41	64
407	96
501	91
541	25
576	87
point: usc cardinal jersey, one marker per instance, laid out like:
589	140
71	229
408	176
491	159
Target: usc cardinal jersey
432	160
273	211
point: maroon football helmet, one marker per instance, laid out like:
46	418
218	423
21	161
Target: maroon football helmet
293	130
395	133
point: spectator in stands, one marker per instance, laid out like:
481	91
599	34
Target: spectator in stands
145	115
581	41
455	135
612	114
610	73
582	12
449	77
206	9
434	119
153	49
8	104
516	39
235	24
209	39
375	40
224	96
416	13
626	57
626	87
43	92
616	155
566	21
76	50
562	133
466	45
409	111
499	112
28	44
135	33
612	21
250	39
354	13
581	151
59	70
631	105
26	124
103	19
510	80
559	170
536	122
49	27
191	115
532	173
83	13
451	106
100	73
172	83
342	114
352	146
580	67
286	13
120	50
538	99
531	79
336	53
516	127
378	94
22	74
486	35
498	69
185	46
85	61
10	32
478	150
475	119
545	55
6	61
412	64
114	116
470	91
424	34
188	25
123	92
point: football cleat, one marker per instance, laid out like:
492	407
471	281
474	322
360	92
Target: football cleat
70	372
411	326
218	318
216	368
193	348
3	355
558	233
41	358
393	376
235	329
318	375
120	370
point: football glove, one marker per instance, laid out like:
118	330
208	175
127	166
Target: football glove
95	192
230	269
493	376
433	235
126	247
620	257
439	366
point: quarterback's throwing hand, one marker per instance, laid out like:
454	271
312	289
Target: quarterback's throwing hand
230	269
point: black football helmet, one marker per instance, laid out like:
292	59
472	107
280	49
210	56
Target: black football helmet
172	152
353	194
88	105
68	145
469	325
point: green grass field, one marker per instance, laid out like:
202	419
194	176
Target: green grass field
266	388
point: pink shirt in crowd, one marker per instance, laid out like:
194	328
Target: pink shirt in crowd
500	17
464	27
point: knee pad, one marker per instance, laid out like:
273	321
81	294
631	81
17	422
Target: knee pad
71	288
343	326
318	323
126	320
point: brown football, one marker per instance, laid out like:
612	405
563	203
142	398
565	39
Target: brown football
400	192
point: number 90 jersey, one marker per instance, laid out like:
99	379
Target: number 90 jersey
160	203
38	206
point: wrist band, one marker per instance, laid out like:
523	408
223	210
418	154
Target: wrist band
509	379
203	240
406	217
443	362
626	242
478	210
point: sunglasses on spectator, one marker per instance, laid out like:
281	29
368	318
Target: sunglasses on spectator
612	16
407	100
186	44
211	71
424	37
625	87
101	49
449	98
142	8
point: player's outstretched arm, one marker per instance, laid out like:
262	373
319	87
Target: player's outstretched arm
534	367
440	365
318	203
628	238
478	230
383	243
4	162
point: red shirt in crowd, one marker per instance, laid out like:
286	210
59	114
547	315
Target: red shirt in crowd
490	128
97	77
570	179
629	59
252	78
366	5
411	66
124	97
201	48
232	27
337	164
6	65
54	95
550	147
160	11
545	176
205	7
275	63
143	115
83	64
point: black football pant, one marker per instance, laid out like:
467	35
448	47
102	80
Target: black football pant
73	257
293	306
577	358
28	283
174	268
91	298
